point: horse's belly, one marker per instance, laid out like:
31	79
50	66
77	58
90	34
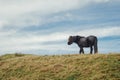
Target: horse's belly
83	42
84	45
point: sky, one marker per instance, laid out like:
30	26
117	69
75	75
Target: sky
43	26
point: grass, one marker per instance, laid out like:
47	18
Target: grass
60	67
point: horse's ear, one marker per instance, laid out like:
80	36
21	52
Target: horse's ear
70	36
77	37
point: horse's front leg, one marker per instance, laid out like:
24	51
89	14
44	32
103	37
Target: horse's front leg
91	49
81	50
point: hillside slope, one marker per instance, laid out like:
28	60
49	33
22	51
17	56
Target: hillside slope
64	67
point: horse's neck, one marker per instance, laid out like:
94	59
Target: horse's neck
77	39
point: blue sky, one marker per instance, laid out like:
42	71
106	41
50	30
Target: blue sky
43	26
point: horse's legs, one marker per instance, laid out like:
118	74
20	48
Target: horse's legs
95	50
95	47
81	51
91	49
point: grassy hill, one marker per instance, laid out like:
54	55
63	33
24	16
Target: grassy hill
60	67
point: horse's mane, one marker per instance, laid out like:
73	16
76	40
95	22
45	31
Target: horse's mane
78	38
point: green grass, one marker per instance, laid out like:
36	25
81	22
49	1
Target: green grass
60	67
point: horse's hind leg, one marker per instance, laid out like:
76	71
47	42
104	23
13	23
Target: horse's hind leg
80	51
95	47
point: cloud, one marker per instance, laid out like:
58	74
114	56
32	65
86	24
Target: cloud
99	1
56	36
17	16
26	13
101	32
36	41
28	10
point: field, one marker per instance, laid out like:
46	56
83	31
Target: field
60	67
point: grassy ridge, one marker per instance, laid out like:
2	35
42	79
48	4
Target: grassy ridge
64	67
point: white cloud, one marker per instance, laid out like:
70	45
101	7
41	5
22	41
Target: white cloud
25	13
7	33
22	11
42	6
55	36
99	1
102	32
30	12
35	41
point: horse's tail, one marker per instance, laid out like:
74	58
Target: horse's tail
96	45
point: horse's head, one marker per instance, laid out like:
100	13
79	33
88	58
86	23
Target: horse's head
71	39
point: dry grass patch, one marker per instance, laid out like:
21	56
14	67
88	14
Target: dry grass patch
60	67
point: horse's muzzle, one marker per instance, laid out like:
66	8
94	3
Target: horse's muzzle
69	43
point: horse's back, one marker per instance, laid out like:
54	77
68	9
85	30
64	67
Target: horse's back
92	39
87	41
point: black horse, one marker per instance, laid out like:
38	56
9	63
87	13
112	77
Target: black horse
81	41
